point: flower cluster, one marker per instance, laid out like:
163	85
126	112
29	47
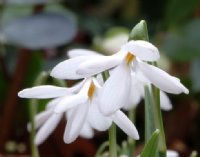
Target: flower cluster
95	103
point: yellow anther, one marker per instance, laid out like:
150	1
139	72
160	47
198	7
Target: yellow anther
91	90
129	58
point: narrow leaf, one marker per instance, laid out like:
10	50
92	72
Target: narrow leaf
150	149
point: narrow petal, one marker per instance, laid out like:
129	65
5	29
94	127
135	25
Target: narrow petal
97	65
165	102
97	120
69	102
43	92
75	123
67	69
47	128
162	80
53	103
135	94
87	131
81	52
40	119
142	49
122	121
115	91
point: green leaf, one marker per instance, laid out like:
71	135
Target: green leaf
139	32
149	117
150	149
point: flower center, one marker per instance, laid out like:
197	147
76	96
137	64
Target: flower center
91	90
129	58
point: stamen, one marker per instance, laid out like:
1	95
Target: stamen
129	58
91	90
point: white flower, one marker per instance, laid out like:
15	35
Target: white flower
128	60
85	108
46	121
137	85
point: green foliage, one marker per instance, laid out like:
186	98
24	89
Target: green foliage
150	149
149	114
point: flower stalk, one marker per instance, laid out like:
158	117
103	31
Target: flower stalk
32	112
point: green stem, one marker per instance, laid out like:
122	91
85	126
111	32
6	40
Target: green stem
112	130
32	111
112	141
159	122
131	142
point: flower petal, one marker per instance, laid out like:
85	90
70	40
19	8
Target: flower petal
135	94
69	102
67	69
98	64
81	52
75	123
87	131
44	92
122	121
97	120
165	102
142	49
47	128
40	119
162	80
115	91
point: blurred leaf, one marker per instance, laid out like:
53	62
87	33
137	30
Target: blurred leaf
183	45
178	10
195	75
44	30
139	32
150	149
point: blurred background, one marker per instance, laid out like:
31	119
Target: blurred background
36	34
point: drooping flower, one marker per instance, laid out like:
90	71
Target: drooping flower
85	108
46	121
170	153
137	84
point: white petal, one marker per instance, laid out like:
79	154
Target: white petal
172	153
135	94
75	123
87	131
67	69
97	65
115	91
97	120
142	49
43	92
122	121
162	80
47	128
69	102
53	103
40	119
165	102
81	52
